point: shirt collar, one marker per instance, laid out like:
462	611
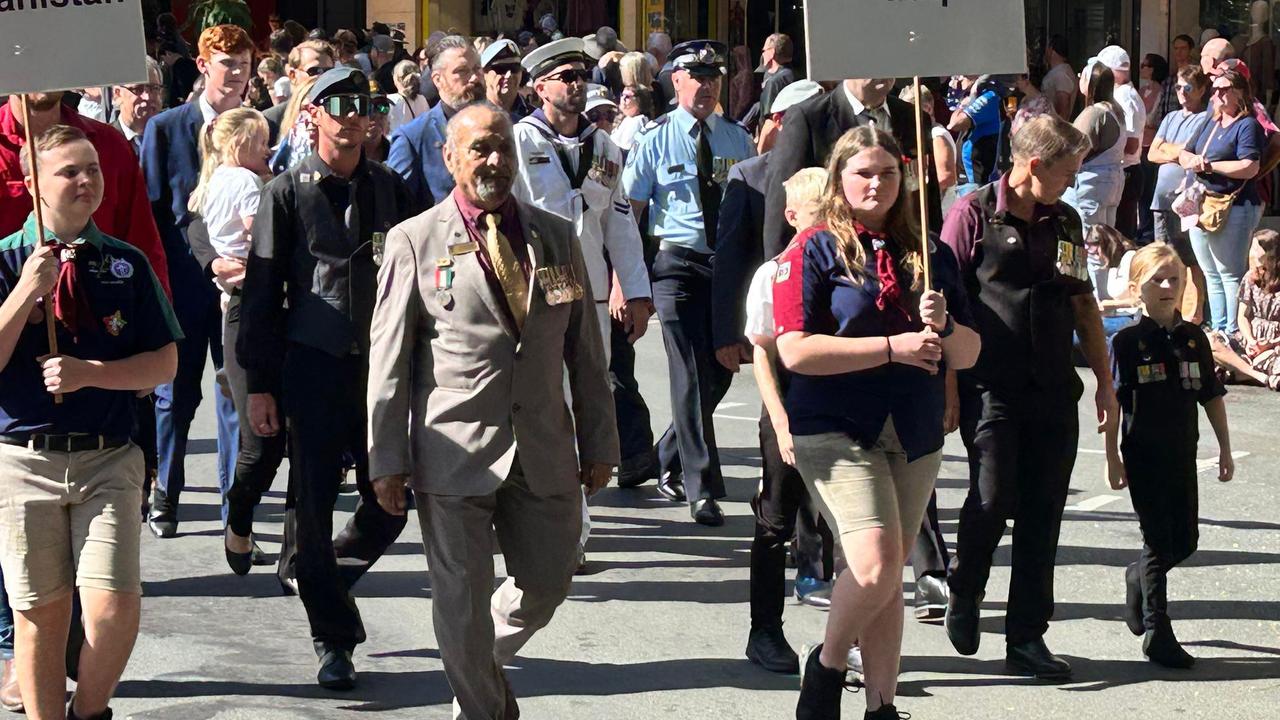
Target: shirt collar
686	122
878	113
91	234
206	109
471	213
312	163
128	132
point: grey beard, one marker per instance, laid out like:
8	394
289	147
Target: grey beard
491	189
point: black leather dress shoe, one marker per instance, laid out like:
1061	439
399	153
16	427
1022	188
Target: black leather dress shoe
768	648
1161	647
238	562
1133	600
1033	658
638	469
931	597
337	672
963	615
707	512
163	518
671	486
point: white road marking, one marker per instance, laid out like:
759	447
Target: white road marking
1093	503
722	416
731	405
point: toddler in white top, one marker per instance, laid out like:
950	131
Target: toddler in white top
235	155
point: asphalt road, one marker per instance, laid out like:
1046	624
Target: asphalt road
657	627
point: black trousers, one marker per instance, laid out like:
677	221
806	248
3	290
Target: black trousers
324	400
144	436
1127	212
635	435
1165	496
682	294
260	457
783	509
1022	447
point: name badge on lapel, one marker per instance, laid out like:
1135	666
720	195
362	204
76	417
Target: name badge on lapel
559	284
463	248
1072	260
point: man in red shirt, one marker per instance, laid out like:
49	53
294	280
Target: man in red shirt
126	210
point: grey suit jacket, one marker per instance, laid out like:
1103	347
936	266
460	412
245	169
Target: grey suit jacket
454	393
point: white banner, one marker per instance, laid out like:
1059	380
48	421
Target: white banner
904	38
67	44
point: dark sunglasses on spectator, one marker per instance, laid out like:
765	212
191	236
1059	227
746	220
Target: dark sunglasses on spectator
316	71
380	105
603	115
344	105
569	76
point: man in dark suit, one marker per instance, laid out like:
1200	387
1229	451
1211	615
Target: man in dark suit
137	104
416	148
812	129
171	161
809	132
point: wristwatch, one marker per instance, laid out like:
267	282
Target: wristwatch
949	328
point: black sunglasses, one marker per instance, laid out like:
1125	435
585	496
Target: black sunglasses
603	115
343	105
316	71
570	76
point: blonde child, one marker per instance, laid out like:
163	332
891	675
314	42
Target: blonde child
782	493
1162	367
235	153
1253	354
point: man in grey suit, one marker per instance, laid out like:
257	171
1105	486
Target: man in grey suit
483	302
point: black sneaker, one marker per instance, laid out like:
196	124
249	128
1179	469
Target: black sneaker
768	648
1133	600
1161	647
821	688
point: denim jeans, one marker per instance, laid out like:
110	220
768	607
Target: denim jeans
6	623
1224	258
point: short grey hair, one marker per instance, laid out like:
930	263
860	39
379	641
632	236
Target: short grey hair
448	42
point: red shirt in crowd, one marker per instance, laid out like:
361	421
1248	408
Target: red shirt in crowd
125	213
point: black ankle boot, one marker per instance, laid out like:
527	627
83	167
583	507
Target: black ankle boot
1161	647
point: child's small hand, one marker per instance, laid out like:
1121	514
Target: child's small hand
1226	467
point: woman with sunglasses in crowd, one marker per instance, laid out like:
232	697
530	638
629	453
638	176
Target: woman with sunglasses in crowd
1226	157
867	343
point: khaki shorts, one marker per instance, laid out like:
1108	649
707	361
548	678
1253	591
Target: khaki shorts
860	489
69	520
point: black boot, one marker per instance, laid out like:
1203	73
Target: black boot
1133	600
962	622
821	689
768	648
1161	647
1033	658
337	672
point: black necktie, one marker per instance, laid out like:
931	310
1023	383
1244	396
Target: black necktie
708	188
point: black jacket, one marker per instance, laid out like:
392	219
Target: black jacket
304	253
739	250
809	132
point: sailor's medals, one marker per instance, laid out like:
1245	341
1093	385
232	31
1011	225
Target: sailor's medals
444	282
559	284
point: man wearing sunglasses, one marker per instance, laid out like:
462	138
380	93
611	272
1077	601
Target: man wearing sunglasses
503	76
677	170
306	306
568	167
306	60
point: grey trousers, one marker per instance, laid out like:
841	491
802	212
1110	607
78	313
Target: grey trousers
477	628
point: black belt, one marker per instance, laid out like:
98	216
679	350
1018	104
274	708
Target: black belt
64	443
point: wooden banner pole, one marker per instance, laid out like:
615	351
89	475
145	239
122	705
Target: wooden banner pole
922	173
50	327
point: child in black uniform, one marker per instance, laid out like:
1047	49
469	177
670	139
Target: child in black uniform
1162	368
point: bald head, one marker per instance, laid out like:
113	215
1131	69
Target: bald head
480	153
1214	52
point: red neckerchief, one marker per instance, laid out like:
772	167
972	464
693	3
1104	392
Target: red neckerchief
70	297
897	318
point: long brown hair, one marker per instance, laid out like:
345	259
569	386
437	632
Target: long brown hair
1101	87
901	225
1268	274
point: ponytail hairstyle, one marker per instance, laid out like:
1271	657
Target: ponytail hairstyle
220	143
902	227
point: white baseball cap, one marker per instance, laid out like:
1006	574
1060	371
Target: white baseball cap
598	95
1114	57
794	94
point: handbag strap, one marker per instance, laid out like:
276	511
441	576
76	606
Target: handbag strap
1205	150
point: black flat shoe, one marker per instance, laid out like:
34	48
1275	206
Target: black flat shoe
337	672
238	562
1034	659
961	622
768	648
931	597
638	470
1161	647
707	512
671	486
1133	601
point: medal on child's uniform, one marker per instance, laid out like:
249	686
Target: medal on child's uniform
1190	373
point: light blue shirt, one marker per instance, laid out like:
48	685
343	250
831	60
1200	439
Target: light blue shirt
662	170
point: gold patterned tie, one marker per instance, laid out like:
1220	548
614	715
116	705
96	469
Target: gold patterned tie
505	265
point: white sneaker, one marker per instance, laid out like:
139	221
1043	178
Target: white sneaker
854	670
